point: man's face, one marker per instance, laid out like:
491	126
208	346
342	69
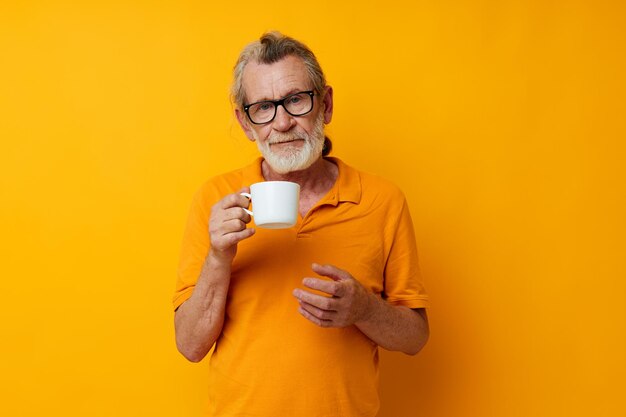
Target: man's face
288	143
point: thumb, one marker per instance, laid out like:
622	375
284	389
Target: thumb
331	272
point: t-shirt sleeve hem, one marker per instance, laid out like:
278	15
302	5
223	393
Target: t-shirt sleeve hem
410	302
182	296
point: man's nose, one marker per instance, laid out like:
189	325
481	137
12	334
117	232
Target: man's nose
283	120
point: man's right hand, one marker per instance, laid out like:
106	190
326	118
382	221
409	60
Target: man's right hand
227	225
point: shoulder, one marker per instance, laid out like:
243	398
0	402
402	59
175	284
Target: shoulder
215	188
379	185
228	181
382	195
373	186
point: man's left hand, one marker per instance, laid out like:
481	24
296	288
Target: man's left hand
347	302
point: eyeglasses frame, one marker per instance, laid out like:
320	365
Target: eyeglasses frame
280	102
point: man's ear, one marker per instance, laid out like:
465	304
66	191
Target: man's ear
243	122
328	104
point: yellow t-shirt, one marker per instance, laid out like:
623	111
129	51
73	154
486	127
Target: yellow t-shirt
269	361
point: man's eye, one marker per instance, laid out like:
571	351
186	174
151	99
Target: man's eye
295	99
265	106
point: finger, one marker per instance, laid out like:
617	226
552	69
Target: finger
236	213
329	287
233	238
230	226
313	319
331	271
318	312
319	301
234	200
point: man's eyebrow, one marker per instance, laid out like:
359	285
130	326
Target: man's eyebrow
290	92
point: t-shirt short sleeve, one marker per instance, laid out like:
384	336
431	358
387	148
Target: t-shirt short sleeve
195	246
403	285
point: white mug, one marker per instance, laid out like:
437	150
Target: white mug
274	204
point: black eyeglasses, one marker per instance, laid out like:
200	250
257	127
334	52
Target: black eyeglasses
296	104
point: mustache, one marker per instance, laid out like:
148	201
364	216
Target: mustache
286	137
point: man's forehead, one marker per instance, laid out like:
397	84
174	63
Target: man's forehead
273	81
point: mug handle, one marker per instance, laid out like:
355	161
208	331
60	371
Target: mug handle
249	197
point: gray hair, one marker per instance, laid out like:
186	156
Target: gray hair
270	48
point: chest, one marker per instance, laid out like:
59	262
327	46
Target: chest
341	236
307	202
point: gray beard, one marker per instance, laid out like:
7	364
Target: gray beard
296	159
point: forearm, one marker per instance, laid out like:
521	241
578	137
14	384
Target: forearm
199	320
395	328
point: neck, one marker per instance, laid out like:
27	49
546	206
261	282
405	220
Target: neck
319	177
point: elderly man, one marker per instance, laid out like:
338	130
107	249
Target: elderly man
296	315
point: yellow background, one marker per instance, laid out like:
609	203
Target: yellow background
503	121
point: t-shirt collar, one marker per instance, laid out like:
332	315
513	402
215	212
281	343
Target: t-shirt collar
348	184
346	188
